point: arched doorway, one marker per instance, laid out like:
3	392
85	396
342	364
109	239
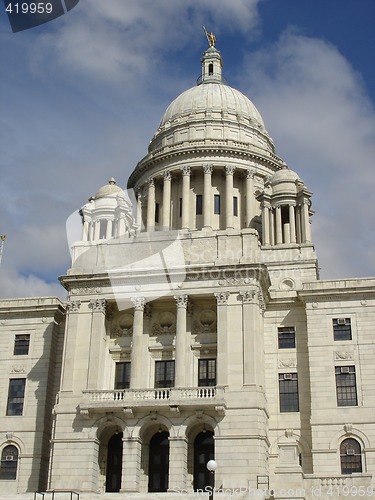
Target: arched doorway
114	463
204	451
158	465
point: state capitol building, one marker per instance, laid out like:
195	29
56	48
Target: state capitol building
196	328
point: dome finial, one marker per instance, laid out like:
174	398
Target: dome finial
211	38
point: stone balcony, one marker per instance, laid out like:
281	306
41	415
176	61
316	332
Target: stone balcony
172	399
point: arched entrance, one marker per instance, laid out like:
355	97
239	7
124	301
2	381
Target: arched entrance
158	465
204	451
114	463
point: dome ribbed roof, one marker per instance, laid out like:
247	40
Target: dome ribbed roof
109	189
211	97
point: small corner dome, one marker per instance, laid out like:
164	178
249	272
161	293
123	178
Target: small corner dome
111	189
285	180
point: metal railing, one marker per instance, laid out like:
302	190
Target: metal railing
52	494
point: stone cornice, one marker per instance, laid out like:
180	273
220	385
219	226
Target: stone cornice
48	306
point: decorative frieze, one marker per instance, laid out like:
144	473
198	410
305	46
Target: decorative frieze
343	355
287	363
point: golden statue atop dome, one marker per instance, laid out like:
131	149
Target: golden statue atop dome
211	38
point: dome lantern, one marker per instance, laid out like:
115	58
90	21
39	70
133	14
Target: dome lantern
212	65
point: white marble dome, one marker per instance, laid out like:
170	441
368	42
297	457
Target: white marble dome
285	181
110	189
211	97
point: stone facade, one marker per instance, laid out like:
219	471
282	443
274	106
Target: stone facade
196	327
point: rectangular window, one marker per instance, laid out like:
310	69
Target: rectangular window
217	204
235	206
122	377
199	204
157	210
286	337
346	387
342	329
164	374
180	208
206	372
288	390
21	345
16	395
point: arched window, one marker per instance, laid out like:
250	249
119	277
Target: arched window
350	456
210	69
9	462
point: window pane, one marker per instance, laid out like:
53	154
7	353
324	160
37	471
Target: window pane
21	345
286	337
16	396
206	372
9	461
164	374
346	387
288	389
217	204
122	380
350	456
342	329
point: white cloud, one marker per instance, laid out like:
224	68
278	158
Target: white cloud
15	285
316	108
122	40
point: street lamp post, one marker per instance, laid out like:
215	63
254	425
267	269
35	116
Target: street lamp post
212	466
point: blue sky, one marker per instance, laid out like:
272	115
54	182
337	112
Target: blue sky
81	96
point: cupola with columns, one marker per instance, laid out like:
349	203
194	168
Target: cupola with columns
211	165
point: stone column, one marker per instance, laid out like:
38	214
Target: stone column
292	224
85	231
97	230
139	211
181	343
229	171
137	344
222	336
298	224
253	355
178	450
109	229
306	231
207	195
166	217
279	229
151	206
71	330
186	171
249	196
272	226
265	224
91	231
131	464
97	344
